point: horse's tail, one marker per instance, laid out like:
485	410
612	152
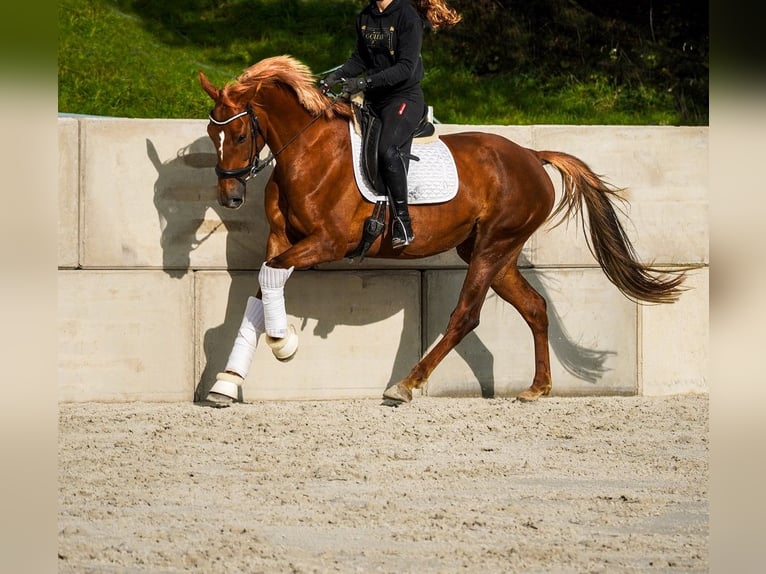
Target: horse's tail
608	241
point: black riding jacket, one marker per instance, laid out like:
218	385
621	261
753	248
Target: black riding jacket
388	50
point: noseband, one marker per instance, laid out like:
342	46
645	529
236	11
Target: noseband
255	165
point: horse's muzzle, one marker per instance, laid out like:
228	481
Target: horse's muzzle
232	198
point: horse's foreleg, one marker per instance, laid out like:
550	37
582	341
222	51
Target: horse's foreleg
512	287
228	385
274	273
282	338
264	314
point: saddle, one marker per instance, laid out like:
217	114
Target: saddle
370	126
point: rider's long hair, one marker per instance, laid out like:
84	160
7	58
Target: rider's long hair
437	13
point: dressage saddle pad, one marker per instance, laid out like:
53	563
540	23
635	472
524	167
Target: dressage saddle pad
433	179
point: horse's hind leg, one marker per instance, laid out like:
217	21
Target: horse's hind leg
512	287
463	320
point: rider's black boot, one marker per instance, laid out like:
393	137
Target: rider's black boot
395	176
401	227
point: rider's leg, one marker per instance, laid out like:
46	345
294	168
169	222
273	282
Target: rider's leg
399	118
394	175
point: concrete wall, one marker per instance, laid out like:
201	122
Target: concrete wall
154	276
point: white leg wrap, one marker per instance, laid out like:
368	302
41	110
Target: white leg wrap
273	290
252	327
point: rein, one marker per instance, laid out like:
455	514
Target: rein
256	164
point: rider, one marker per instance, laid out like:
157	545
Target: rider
387	66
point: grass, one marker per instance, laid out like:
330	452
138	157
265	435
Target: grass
109	64
519	100
139	59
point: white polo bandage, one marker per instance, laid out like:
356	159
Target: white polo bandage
252	327
273	291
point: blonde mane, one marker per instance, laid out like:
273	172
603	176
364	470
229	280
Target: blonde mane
286	71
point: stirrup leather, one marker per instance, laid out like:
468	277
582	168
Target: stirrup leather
373	227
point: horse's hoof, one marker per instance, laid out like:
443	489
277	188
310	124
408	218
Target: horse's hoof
532	394
284	348
217	401
226	390
398	392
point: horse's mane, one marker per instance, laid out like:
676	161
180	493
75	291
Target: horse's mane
288	72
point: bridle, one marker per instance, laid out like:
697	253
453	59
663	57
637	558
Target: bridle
255	164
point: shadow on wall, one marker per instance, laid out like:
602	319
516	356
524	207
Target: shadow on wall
182	198
190	241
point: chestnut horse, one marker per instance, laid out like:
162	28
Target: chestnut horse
316	212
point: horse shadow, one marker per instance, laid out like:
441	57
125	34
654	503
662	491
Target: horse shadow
182	202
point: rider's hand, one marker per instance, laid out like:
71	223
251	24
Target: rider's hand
326	83
354	85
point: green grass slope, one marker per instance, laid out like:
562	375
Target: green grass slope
139	59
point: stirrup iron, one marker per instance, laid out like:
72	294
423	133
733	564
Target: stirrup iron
401	233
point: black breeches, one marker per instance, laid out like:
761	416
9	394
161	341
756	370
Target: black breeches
399	118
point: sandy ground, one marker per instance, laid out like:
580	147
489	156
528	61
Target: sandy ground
439	485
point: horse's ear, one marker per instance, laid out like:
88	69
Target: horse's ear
211	90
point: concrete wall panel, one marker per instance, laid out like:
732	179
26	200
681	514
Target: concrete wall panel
665	173
125	336
675	341
68	192
359	331
592	338
165	274
150	200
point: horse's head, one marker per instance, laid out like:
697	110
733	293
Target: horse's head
238	134
238	138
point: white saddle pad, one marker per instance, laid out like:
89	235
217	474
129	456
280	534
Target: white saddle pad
433	179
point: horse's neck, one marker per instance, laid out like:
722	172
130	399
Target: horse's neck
305	147
287	119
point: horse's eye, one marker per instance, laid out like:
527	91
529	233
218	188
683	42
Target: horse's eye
242	138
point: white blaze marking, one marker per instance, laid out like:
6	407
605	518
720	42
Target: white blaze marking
221	136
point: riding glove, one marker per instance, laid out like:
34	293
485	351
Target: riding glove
329	81
354	85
